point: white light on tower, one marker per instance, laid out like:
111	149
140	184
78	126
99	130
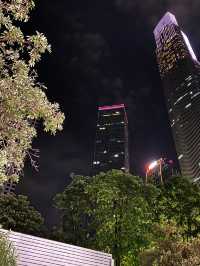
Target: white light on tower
189	46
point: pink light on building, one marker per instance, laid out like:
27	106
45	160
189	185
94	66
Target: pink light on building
111	107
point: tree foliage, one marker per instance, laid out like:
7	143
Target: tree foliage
17	214
109	211
7	252
170	249
23	100
115	212
74	204
179	201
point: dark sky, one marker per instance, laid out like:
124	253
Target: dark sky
103	52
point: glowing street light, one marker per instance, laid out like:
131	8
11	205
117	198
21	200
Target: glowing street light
154	164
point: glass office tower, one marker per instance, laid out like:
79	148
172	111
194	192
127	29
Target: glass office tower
180	74
111	147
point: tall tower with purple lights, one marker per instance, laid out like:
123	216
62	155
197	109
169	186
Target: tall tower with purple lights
180	74
111	147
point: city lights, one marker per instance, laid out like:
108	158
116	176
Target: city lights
189	46
116	106
153	165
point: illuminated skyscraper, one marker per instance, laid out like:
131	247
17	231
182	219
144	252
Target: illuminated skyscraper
111	147
180	74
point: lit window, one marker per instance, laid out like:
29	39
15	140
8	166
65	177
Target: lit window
116	155
180	98
188	105
102	128
189	78
105	152
170	110
195	95
96	162
189	84
180	156
116	113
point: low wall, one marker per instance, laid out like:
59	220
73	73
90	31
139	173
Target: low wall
36	251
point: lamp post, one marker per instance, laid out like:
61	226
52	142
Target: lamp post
155	164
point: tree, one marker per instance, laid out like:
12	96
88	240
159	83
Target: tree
115	212
179	200
7	252
170	249
74	203
23	101
17	214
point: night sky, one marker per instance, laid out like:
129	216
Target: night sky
103	52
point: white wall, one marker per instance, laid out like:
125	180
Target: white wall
35	251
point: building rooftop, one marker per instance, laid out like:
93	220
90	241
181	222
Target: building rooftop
111	107
167	19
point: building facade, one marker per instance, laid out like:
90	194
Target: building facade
111	146
180	74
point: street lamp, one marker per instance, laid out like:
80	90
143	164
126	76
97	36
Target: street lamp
153	165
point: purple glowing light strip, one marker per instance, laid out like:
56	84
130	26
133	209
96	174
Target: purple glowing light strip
116	106
167	19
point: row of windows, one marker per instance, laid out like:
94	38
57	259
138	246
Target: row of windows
180	98
111	124
103	164
111	140
115	155
112	114
195	95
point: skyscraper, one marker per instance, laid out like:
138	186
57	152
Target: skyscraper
111	147
180	74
